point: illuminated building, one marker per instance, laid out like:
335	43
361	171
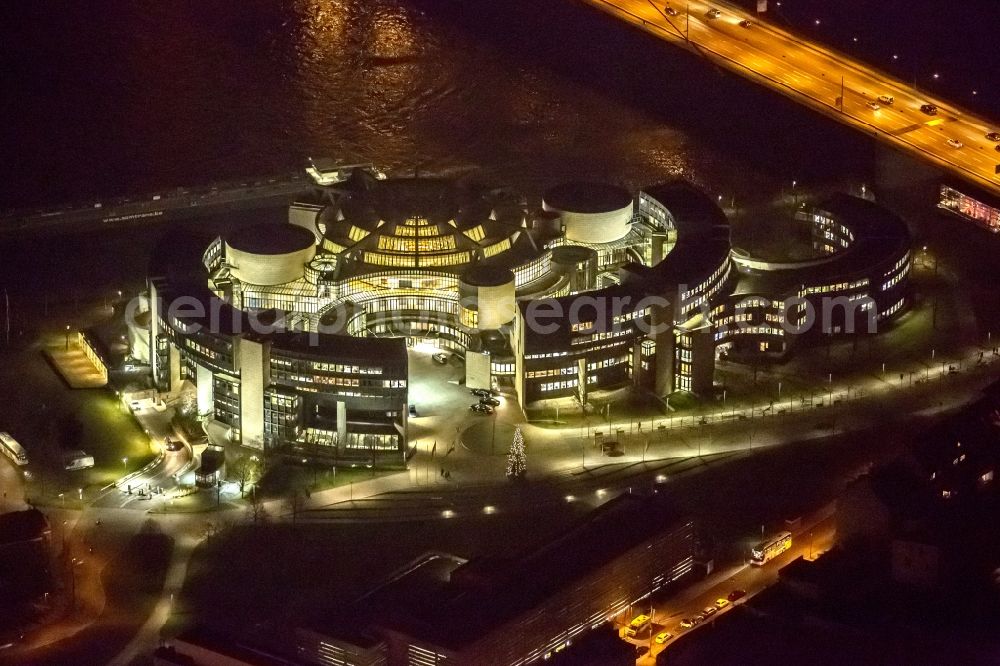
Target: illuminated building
595	288
970	208
442	609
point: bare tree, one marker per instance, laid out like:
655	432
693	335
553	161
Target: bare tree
255	509
294	503
246	471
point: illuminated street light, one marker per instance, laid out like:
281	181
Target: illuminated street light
489	509
447	513
124	465
570	498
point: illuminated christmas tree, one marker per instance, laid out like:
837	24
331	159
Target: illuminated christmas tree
517	463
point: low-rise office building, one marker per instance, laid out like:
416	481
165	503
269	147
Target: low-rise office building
511	611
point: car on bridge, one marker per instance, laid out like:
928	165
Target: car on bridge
929	109
886	99
955	143
993	136
670	11
745	23
874	106
713	13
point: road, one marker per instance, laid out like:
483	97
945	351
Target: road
176	203
811	540
818	77
162	473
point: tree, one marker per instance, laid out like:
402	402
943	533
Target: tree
188	404
255	509
517	464
294	503
246	470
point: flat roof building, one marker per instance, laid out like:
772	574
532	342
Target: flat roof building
444	610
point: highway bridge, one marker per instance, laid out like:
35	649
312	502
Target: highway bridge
832	83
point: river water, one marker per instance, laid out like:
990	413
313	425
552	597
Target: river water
108	97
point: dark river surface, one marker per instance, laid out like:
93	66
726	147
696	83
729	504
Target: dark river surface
112	97
109	97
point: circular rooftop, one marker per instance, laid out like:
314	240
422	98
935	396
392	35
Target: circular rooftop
484	275
418	223
585	197
271	239
567	255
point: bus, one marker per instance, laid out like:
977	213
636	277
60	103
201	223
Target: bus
12	449
767	550
638	624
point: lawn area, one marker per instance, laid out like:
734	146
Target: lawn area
281	477
48	418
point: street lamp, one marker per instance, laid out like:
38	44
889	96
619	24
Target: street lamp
124	465
72	574
67	337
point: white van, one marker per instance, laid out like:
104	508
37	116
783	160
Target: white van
77	460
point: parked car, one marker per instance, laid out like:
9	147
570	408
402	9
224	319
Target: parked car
413	410
709	611
688	622
482	393
492	402
641	650
737	594
481	408
663	637
721	603
441	358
